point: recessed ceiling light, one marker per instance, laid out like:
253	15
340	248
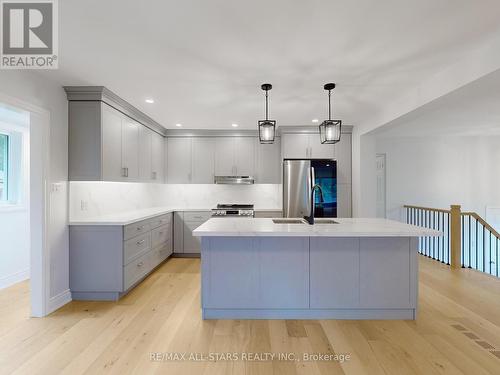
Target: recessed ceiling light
178	125
150	101
234	125
315	120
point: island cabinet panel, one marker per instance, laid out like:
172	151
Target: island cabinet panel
244	273
284	273
385	273
334	262
232	273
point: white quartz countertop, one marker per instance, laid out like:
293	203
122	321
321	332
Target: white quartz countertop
347	227
130	217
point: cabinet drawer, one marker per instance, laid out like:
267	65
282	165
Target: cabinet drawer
197	215
161	253
160	235
160	220
136	269
135	229
136	246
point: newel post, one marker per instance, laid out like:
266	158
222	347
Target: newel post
455	236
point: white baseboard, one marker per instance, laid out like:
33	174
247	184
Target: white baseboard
58	301
16	277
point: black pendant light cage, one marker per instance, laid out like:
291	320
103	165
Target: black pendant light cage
330	130
267	128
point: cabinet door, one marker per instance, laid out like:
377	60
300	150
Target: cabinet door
145	152
343	151
245	156
178	241
268	169
192	244
157	157
179	160
318	150
295	146
203	160
130	148
334	262
111	145
224	157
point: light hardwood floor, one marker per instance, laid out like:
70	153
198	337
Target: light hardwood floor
457	332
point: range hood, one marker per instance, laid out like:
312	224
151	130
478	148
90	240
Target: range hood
234	180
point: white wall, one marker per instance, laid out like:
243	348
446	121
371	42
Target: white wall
105	198
35	88
440	171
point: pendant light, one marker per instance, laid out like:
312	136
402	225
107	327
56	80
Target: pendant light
329	130
266	127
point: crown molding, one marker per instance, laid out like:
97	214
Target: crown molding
101	93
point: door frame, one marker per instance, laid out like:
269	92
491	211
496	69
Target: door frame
39	209
384	155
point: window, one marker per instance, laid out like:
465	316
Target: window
4	173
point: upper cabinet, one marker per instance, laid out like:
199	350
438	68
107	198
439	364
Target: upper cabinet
235	156
305	146
203	150
109	140
268	169
179	160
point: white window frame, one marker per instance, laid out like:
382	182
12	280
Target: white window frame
18	168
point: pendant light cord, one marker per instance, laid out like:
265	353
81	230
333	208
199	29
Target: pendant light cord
266	105
329	104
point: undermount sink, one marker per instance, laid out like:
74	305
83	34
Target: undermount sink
289	221
302	221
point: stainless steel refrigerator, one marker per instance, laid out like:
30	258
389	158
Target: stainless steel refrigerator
299	177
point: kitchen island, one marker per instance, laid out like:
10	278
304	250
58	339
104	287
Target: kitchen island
354	269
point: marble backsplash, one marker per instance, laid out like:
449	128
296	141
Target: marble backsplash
91	199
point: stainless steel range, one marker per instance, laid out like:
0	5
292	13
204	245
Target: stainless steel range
233	210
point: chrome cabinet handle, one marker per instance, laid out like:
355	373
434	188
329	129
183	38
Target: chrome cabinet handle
124	172
140	242
153	175
140	228
140	264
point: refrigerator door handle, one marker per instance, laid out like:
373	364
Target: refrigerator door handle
312	193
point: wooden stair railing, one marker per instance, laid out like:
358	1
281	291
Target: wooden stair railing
467	241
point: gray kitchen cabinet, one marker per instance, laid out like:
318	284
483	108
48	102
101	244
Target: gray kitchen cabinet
157	157
130	149
107	137
106	261
184	223
334	261
305	146
145	154
179	160
344	159
224	157
111	147
268	169
235	156
203	160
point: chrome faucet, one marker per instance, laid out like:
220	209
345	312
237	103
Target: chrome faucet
310	218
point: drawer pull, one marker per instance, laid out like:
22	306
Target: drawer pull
140	242
140	264
140	228
161	233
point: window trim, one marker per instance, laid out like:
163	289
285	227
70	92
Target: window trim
6	181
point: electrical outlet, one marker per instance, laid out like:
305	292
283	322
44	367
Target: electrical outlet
84	205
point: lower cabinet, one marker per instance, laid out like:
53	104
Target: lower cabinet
107	261
184	224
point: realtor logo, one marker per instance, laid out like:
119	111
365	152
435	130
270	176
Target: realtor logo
29	34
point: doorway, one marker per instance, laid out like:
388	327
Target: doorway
25	201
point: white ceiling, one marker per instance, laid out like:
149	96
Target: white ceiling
203	61
472	110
